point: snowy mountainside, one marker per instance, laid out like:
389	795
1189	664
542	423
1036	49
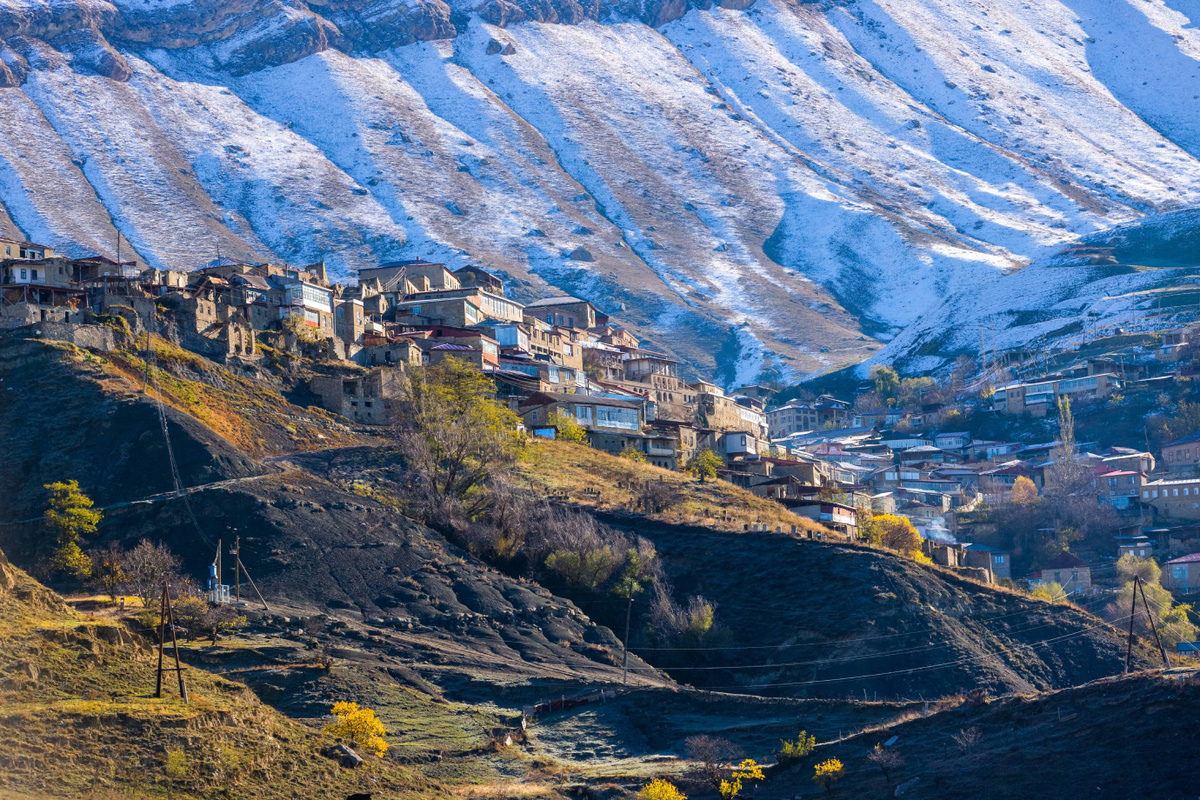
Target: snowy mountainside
776	186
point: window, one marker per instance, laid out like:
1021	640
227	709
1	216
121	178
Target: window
1179	572
24	275
998	559
34	274
1175	492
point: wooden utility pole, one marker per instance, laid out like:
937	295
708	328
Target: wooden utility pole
167	616
237	567
1132	614
1153	627
146	358
625	668
240	567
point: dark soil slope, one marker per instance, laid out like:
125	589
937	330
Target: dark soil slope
66	414
808	619
374	576
1116	739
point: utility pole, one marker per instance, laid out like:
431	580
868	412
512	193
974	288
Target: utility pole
167	616
237	554
1153	627
1132	614
625	668
237	566
146	358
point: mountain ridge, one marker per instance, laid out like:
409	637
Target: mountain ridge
778	188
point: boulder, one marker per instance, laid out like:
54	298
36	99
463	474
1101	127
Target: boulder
344	755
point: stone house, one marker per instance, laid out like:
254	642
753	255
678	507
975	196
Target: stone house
611	423
1069	572
478	278
1182	454
566	311
18	249
369	399
996	561
1182	575
1176	498
389	351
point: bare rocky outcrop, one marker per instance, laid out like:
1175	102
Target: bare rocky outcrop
248	35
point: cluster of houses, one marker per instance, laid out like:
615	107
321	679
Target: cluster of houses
563	356
550	356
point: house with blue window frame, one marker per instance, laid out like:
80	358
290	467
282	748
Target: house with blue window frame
1182	575
611	423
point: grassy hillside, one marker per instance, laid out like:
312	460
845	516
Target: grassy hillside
554	466
77	719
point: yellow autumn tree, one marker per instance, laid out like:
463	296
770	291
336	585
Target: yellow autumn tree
828	772
897	533
659	789
748	770
1024	491
569	430
704	464
360	726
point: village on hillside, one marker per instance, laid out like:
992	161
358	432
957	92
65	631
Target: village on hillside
889	448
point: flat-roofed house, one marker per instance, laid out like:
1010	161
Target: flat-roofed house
1069	572
1182	454
1182	575
566	311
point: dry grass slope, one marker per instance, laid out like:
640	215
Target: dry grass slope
77	719
554	466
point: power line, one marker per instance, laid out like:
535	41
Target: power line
867	657
964	660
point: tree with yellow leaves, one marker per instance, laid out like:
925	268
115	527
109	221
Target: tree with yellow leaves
1024	491
828	772
360	726
659	789
748	770
569	430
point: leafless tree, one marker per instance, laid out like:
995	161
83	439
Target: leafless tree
148	567
887	759
967	738
713	753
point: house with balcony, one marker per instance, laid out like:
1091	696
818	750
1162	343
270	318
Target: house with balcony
612	424
22	250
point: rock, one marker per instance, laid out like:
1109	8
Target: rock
583	230
493	47
580	254
509	49
343	755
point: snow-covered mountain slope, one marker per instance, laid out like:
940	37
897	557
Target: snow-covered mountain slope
776	186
